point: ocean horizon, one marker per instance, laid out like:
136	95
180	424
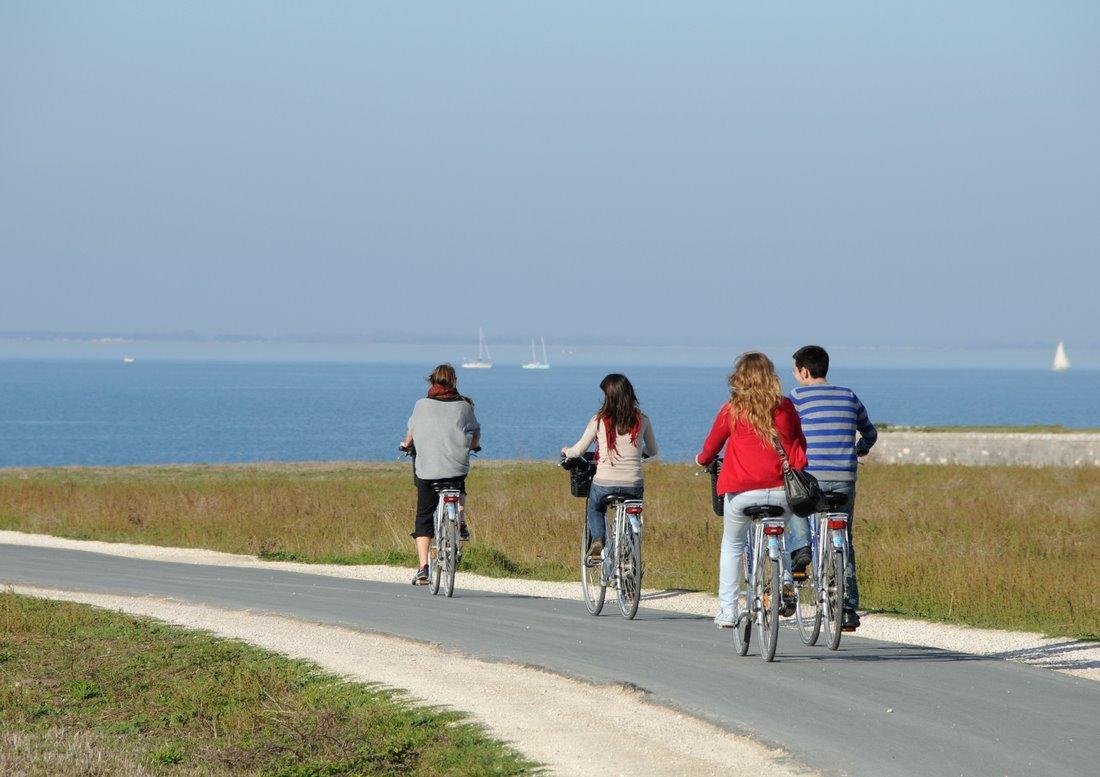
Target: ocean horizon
102	413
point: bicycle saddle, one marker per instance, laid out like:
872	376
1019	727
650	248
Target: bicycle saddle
764	511
446	485
834	500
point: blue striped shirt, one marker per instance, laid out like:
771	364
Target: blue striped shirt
831	416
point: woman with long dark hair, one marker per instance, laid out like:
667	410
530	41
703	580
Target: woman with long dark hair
623	434
749	424
443	429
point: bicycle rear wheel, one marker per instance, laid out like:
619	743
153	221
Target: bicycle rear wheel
807	610
450	553
771	584
833	598
742	632
435	569
592	585
628	552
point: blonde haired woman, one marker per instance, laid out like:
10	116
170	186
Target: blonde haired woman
752	473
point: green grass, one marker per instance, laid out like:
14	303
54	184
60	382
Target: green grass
988	546
90	692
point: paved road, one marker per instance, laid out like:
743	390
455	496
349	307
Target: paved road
953	714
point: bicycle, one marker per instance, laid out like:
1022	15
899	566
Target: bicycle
620	564
820	602
445	551
760	583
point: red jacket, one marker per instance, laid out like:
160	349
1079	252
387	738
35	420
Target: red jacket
750	463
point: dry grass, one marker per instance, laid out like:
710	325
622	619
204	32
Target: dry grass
1008	547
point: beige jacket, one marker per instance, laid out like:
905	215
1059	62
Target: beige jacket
623	467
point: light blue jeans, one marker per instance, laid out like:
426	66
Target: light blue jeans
734	532
799	531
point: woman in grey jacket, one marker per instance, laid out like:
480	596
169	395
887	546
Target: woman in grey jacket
443	429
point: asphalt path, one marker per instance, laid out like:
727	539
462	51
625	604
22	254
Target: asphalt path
871	708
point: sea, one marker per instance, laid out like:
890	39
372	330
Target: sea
72	412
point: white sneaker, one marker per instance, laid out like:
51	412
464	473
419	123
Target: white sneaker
726	618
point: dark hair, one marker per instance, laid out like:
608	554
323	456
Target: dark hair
444	375
620	403
814	358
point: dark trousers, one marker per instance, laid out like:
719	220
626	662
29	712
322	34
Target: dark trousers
427	499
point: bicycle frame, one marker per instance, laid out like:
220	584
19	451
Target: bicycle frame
447	509
626	510
833	540
774	545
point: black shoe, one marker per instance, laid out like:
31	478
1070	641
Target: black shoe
595	549
850	622
421	576
464	532
788	601
800	559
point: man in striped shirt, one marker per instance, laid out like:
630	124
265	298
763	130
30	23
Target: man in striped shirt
831	416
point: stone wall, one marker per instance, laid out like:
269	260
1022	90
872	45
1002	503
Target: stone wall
988	448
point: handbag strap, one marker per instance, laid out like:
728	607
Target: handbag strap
782	453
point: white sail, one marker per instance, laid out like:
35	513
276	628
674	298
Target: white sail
483	361
1061	361
535	364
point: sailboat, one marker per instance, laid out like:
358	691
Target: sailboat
483	361
535	364
1061	361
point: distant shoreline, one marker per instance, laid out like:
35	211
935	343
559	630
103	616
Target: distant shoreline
990	446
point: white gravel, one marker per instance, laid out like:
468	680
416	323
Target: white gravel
1076	657
573	728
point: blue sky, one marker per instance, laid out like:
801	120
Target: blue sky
865	173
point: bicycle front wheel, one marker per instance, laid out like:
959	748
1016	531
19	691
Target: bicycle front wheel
807	611
742	632
771	584
628	552
833	598
591	578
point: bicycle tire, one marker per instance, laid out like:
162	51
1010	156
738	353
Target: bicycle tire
834	601
450	552
591	584
435	571
742	631
807	611
772	584
628	553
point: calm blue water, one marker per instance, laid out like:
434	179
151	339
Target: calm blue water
54	413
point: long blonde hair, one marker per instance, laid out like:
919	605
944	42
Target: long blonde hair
755	393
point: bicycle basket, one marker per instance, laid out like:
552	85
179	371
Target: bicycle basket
717	501
580	477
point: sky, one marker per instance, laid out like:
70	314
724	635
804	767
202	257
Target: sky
858	174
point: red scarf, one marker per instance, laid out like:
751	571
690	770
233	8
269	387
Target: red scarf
443	393
611	434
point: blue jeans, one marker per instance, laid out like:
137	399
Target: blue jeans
734	532
597	506
800	535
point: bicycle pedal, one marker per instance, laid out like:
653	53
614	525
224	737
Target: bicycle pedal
799	576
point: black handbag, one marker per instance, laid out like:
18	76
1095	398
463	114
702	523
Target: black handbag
581	472
803	491
717	501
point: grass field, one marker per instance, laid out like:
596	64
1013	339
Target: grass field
987	546
90	692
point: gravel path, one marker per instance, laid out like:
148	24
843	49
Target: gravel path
1076	657
572	727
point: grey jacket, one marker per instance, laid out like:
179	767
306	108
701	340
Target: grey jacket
442	432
